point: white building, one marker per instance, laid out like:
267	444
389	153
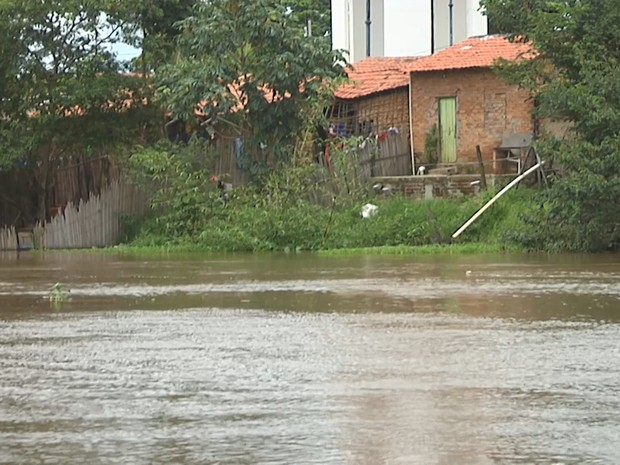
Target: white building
349	28
403	27
467	21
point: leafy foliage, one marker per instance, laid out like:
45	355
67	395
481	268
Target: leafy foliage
511	16
317	12
300	207
157	22
63	90
248	223
576	79
251	69
183	198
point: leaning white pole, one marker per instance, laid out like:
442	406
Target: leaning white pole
513	183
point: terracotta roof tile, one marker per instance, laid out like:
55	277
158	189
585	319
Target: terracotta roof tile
475	52
374	75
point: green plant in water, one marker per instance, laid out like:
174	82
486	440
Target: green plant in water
58	294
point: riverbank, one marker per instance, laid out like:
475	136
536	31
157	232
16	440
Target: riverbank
399	226
468	248
431	249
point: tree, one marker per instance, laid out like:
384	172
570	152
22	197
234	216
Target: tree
576	79
510	16
252	69
157	22
317	12
63	91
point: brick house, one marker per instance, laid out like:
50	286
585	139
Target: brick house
376	97
374	104
458	102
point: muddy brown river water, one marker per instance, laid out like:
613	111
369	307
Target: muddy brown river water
300	359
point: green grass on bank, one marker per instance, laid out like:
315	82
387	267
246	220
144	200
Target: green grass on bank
430	249
401	226
190	249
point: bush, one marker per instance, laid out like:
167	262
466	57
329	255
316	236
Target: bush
299	207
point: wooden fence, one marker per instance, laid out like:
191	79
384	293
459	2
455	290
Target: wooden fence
96	222
8	239
380	158
227	163
79	177
350	170
387	157
69	179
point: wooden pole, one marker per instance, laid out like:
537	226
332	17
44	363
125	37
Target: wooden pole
411	147
483	177
492	201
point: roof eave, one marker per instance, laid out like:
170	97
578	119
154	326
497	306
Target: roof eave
449	69
372	94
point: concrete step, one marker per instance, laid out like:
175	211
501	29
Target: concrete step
443	170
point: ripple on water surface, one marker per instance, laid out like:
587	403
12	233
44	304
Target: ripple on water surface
309	361
226	386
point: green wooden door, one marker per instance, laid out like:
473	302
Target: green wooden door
447	130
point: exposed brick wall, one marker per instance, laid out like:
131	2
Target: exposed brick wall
438	186
487	108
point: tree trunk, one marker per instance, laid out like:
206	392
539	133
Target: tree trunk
43	178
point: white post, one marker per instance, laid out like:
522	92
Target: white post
492	201
413	167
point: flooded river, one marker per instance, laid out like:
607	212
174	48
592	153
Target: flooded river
268	359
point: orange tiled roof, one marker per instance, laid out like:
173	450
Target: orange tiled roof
235	91
374	75
475	52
